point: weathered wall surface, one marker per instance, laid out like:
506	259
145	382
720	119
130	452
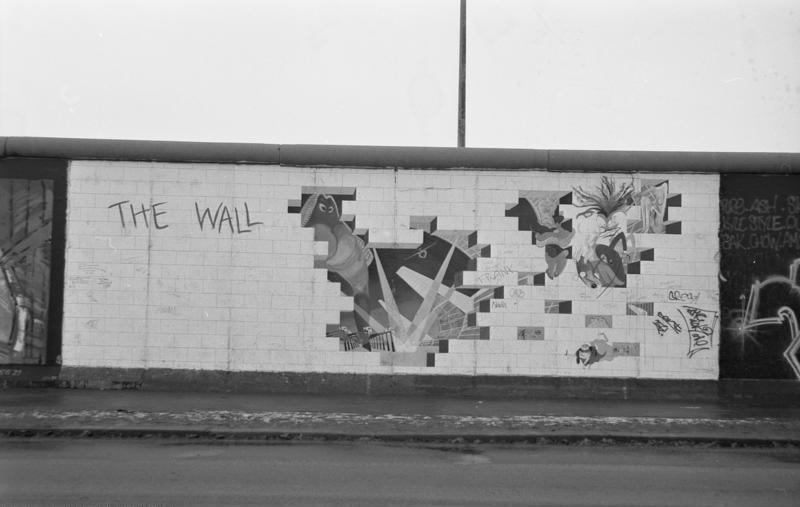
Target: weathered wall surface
267	268
25	233
32	214
760	288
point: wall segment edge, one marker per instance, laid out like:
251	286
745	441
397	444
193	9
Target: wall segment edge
399	156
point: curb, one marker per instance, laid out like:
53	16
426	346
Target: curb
275	436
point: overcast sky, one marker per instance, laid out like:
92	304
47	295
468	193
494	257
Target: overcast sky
632	75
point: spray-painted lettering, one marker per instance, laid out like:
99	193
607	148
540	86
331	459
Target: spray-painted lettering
700	325
223	218
139	215
683	296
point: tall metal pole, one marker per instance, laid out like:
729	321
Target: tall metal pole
462	76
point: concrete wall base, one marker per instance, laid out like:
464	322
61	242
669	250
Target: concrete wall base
777	391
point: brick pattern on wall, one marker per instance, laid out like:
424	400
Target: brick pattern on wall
265	268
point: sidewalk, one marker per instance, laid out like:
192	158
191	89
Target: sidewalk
66	412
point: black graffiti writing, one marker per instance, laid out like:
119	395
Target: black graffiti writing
492	277
516	293
140	215
660	327
683	296
498	304
222	217
700	324
671	323
698	320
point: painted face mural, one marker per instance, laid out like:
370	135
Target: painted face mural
587	355
600	237
600	233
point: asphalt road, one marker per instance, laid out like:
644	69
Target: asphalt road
162	472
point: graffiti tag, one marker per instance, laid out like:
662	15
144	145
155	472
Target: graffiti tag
760	224
232	218
660	327
498	304
143	212
665	324
223	216
516	293
700	325
493	277
683	296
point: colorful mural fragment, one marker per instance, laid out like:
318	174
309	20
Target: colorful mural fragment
595	228
25	259
406	300
409	301
600	243
600	237
759	285
601	349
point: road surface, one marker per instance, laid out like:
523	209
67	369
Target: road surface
163	472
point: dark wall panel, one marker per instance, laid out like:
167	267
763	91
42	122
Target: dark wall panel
759	292
32	232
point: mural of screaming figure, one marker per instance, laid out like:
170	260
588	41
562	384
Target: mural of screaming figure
348	256
600	244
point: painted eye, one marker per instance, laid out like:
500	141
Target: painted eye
323	208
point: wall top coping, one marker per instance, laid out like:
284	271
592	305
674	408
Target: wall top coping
398	157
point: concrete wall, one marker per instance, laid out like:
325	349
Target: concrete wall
32	226
270	268
759	282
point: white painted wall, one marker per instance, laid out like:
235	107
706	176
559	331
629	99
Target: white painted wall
186	298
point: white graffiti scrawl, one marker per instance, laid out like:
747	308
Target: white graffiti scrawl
775	301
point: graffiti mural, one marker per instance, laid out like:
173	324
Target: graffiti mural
25	266
382	270
348	257
770	314
600	238
405	300
410	300
759	293
600	245
591	232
